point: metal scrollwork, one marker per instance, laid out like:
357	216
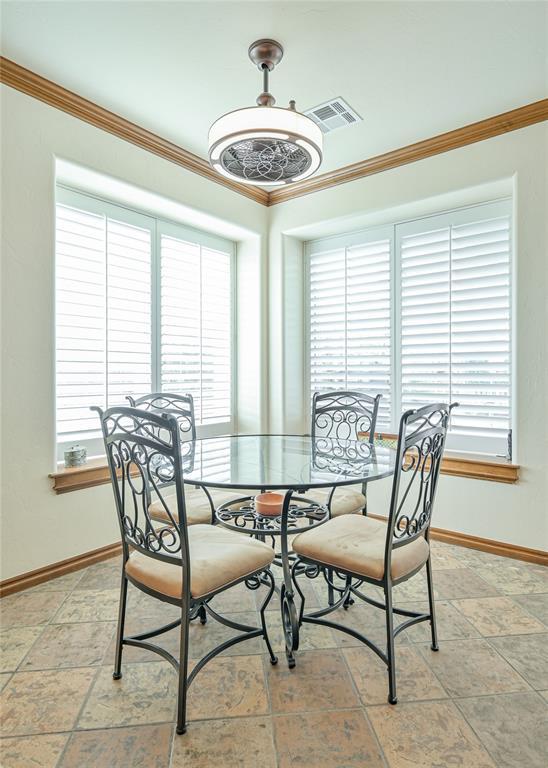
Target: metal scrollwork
290	622
180	406
341	457
266	160
242	515
140	448
421	457
254	582
344	415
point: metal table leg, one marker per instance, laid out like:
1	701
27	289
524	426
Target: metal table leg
290	621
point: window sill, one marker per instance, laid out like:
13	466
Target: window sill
479	468
95	472
473	465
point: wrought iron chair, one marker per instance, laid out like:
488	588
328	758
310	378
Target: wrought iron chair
200	502
176	563
342	415
362	549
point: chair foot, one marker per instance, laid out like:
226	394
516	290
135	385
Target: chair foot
274	661
181	730
116	675
435	647
291	663
392	699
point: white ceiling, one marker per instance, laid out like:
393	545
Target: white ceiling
411	69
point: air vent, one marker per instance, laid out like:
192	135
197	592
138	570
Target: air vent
333	114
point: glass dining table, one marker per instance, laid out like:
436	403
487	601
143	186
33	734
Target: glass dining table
293	465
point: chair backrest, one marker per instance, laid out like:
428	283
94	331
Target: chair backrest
421	441
180	406
342	415
143	449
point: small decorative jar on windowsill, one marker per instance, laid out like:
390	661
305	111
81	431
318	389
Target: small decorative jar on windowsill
75	456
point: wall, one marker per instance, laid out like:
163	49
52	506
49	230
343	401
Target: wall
39	527
515	162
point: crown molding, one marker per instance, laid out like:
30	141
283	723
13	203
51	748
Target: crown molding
40	88
445	142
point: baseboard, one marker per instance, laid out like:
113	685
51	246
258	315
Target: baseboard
48	572
492	546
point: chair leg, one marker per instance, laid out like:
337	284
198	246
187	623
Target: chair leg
202	613
330	590
183	669
431	602
392	698
117	674
264	606
349	600
364	492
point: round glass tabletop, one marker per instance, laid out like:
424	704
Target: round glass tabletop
273	462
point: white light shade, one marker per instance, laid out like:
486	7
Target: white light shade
282	146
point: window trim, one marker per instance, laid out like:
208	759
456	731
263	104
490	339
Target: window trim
87	201
494	208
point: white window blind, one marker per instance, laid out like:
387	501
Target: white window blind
141	305
129	311
80	320
327	321
350	317
447	334
368	322
196	339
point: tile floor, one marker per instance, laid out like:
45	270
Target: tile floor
482	701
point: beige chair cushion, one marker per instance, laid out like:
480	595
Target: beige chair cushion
356	544
198	508
345	501
217	558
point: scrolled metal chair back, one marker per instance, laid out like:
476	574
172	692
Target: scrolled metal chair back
342	415
421	442
144	455
180	406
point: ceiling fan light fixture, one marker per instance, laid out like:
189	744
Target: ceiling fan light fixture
265	145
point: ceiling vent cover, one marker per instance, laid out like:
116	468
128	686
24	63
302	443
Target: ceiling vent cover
333	114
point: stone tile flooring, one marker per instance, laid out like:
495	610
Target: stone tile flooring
482	701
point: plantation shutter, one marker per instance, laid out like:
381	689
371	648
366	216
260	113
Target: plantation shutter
350	316
455	321
216	336
368	323
180	317
425	317
80	321
103	313
195	321
129	311
480	332
327	321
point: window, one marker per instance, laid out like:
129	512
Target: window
419	311
142	305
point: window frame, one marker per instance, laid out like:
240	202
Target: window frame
395	231
88	202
